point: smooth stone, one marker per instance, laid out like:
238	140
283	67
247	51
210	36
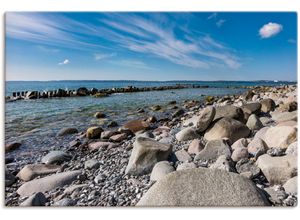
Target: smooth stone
254	123
32	171
91	164
239	153
280	137
278	170
65	202
99	115
12	146
37	199
203	187
205	118
136	125
243	142
212	150
187	134
145	154
185	166
288	123
108	134
288	107
9	178
101	145
47	183
93	132
223	162
267	105
257	147
229	111
161	169
118	137
227	128
195	146
285	116
251	108
191	122
183	156
247	166
261	133
292	149
67	131
291	186
56	157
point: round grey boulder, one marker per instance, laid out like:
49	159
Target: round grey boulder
161	169
205	118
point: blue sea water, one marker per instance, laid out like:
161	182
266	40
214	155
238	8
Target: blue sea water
36	122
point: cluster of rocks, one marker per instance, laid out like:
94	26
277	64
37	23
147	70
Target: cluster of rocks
98	93
236	150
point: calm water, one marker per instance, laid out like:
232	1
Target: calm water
35	122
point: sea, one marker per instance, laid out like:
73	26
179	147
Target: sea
35	123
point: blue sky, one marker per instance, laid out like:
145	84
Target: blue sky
151	46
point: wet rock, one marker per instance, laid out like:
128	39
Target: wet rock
9	178
91	164
291	186
280	137
249	166
82	91
229	111
108	134
136	125
32	171
201	187
195	146
155	108
37	199
9	160
99	115
178	113
161	169
278	170
227	128
292	149
223	162
12	146
67	131
239	153
56	157
257	147
267	105
151	119
93	132
183	156
205	118
213	149
254	123
47	183
145	154
187	134
112	124
118	137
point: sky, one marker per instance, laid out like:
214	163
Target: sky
151	46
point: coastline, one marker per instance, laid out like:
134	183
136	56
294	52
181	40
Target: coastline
101	158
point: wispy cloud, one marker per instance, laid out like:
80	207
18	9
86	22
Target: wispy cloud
270	30
292	41
220	22
65	62
213	15
101	56
138	34
134	64
48	49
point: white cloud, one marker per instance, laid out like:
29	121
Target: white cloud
65	62
270	30
101	56
220	22
48	49
213	15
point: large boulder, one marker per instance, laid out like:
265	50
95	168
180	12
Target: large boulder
239	153
94	132
203	187
136	125
267	105
37	199
82	91
229	111
161	169
285	116
56	157
227	128
12	146
195	146
205	118
253	122
280	137
251	108
145	154
257	147
212	150
278	170
47	183
291	185
31	171
186	134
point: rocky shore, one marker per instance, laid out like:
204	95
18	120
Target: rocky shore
238	150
